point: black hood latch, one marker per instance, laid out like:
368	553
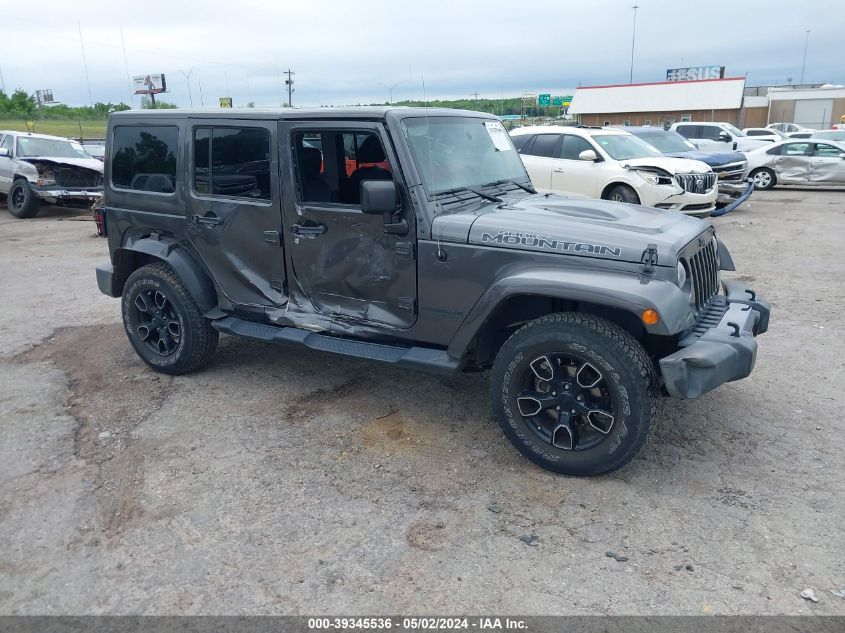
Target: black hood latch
649	261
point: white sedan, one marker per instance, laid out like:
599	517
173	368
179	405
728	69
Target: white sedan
797	162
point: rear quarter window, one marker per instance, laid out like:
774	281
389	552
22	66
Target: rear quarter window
144	158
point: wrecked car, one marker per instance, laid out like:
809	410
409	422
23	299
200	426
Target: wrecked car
36	169
612	164
415	237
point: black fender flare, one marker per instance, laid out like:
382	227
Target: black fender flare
197	282
620	290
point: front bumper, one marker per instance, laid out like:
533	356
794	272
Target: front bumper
685	201
721	346
731	195
70	197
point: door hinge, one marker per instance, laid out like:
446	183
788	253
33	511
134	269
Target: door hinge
272	237
649	261
404	248
407	303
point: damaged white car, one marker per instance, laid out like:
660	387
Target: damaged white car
615	165
36	169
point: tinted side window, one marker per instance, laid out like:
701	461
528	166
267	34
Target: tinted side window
572	146
823	149
520	140
794	149
232	162
545	145
690	131
775	151
757	133
144	158
710	132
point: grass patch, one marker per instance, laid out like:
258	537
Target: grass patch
58	127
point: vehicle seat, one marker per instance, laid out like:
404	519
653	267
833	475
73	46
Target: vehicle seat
314	188
370	151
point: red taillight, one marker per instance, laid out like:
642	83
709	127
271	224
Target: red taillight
100	219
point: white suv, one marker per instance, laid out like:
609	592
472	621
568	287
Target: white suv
614	165
718	136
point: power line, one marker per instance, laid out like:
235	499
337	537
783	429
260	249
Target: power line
85	63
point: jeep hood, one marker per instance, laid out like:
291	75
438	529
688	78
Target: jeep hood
579	227
87	163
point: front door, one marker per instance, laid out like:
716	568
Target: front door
234	208
343	261
793	163
827	164
8	143
571	174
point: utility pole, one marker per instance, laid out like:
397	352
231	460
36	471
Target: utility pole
126	67
188	81
389	90
633	42
804	62
85	64
2	81
289	84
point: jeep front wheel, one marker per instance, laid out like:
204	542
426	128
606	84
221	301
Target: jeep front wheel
163	322
21	201
574	393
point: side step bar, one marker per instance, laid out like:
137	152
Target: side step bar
435	361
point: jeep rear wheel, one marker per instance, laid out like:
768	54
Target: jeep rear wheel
163	322
574	393
21	201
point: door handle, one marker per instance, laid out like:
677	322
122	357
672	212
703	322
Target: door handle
209	220
558	170
309	231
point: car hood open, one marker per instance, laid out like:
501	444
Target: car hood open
668	164
88	163
571	225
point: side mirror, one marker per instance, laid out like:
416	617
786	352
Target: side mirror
589	155
4	153
725	137
378	196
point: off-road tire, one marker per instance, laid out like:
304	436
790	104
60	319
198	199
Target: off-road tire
197	338
764	178
22	201
629	375
623	193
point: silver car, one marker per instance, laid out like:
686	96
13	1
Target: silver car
797	162
36	169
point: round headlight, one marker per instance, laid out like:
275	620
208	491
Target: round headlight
682	275
684	281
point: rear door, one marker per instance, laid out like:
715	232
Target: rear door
539	156
827	164
234	209
793	164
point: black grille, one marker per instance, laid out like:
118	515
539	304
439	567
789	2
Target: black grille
696	183
700	258
76	177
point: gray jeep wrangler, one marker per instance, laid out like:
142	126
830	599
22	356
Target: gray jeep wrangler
415	237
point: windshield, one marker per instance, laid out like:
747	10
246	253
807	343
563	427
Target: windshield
667	142
734	131
625	146
457	152
831	135
33	146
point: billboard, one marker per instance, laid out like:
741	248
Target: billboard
695	73
225	102
149	84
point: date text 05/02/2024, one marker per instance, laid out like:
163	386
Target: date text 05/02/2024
418	623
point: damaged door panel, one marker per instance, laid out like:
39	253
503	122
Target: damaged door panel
343	261
234	216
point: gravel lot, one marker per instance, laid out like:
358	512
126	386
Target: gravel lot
280	480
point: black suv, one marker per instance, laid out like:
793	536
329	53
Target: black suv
415	237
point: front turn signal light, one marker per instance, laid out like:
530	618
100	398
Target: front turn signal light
650	317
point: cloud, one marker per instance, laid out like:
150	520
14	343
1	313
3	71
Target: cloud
342	52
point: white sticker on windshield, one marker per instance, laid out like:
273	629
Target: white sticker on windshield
498	135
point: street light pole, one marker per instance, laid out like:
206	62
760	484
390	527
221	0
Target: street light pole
633	42
188	81
804	62
389	90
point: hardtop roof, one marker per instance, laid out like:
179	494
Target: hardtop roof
355	112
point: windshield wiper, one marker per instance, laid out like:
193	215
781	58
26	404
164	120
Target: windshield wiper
524	187
480	194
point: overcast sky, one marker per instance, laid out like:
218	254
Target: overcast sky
342	51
